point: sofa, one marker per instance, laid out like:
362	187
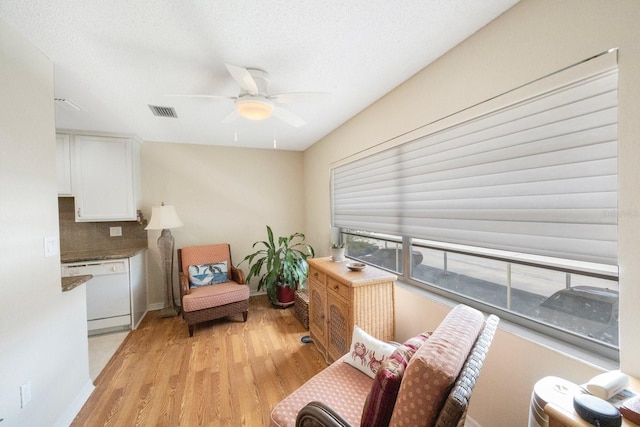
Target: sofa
425	381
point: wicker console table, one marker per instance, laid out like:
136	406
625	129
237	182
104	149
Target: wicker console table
340	298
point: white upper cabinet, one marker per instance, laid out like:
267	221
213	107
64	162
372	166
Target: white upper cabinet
104	178
63	164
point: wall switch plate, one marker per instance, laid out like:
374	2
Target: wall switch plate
51	246
25	394
115	231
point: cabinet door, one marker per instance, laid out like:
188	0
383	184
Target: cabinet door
63	164
339	327
317	316
103	178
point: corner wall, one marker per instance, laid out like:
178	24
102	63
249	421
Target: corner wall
531	40
221	194
43	331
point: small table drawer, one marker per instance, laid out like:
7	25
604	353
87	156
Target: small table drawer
317	275
338	287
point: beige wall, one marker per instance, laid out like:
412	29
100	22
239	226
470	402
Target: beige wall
221	194
43	331
535	38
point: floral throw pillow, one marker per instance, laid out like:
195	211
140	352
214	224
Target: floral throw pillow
207	274
367	353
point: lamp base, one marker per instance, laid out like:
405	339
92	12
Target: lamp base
169	312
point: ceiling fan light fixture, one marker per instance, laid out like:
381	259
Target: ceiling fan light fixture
254	108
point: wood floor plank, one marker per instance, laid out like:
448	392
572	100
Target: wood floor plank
230	373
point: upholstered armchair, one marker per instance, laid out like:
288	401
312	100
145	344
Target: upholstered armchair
426	381
211	287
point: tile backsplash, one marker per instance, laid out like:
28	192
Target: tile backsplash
89	236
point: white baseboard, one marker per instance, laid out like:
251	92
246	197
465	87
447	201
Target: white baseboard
141	319
72	411
155	306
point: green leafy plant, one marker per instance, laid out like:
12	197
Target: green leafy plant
284	262
335	245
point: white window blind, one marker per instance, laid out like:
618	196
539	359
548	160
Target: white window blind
536	175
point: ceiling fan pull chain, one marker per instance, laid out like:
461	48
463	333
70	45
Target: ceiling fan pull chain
274	136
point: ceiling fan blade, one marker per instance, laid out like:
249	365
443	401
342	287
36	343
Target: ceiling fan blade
202	96
288	117
288	98
244	78
230	117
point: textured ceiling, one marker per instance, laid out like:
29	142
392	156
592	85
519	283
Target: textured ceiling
114	58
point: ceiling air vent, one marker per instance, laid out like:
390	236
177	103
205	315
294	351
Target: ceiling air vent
67	104
163	111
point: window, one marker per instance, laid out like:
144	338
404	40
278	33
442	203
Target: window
377	249
580	304
511	206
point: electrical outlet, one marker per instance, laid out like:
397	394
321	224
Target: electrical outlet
51	246
25	394
115	231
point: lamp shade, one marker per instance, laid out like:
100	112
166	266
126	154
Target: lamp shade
163	217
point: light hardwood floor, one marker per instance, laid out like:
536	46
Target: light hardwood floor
230	373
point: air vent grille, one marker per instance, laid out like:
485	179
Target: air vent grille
163	111
67	104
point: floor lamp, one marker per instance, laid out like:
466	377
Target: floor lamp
163	218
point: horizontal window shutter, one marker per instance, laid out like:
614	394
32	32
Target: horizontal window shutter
537	176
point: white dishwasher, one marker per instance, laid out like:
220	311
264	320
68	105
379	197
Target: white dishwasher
108	296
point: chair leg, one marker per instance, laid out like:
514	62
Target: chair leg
190	330
244	315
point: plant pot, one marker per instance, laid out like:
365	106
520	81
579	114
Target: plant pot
337	254
285	295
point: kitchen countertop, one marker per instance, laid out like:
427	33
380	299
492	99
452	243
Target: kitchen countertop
72	282
69	283
100	254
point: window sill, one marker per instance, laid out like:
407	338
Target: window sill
597	361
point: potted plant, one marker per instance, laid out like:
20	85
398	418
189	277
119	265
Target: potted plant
285	265
337	252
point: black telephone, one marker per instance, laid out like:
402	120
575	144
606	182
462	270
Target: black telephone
596	411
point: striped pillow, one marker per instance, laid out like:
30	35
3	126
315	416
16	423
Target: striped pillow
382	397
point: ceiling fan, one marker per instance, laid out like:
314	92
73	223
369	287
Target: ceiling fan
254	101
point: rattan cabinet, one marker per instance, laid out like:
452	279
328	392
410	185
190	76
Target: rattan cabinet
340	298
317	309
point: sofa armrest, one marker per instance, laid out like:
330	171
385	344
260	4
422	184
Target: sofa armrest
316	414
184	284
237	275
